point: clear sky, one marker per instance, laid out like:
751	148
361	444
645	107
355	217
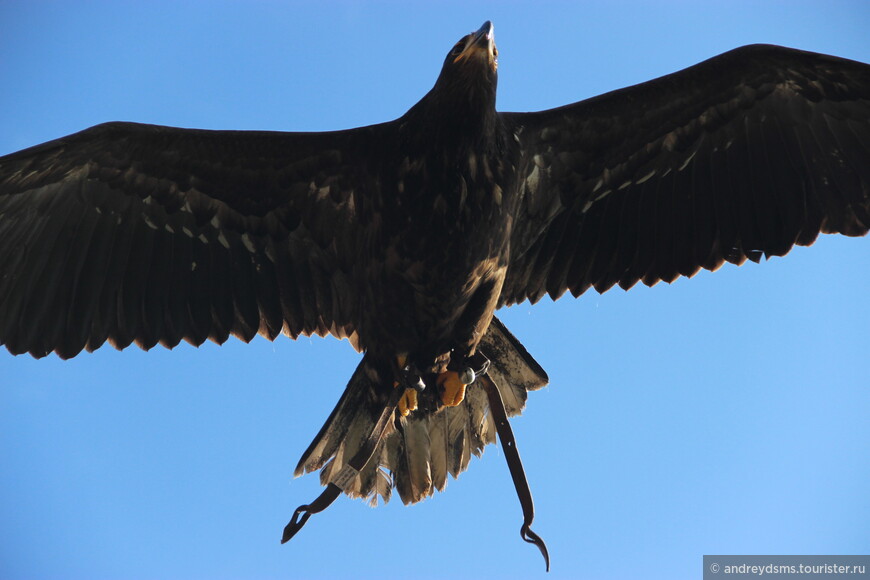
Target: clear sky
723	414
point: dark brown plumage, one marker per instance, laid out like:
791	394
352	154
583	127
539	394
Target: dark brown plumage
405	236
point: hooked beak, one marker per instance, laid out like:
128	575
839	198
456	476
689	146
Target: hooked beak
481	45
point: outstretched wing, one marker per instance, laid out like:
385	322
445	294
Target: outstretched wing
743	155
128	232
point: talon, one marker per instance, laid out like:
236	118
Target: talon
408	402
453	389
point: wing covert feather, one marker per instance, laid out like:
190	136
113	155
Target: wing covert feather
126	232
741	156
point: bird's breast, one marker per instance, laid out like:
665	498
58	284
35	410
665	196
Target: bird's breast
443	241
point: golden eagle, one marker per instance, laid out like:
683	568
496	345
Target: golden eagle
406	236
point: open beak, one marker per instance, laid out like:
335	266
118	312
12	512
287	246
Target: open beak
481	45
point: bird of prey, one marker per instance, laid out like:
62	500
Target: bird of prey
405	237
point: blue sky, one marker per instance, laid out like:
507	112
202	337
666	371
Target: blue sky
723	414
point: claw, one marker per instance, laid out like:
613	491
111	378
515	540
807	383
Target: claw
453	389
412	383
408	402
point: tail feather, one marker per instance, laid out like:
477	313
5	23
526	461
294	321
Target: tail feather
439	445
512	368
418	451
481	425
413	475
382	487
376	480
353	412
458	438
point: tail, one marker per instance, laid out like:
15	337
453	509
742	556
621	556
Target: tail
417	452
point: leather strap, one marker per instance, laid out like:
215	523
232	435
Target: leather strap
355	465
343	478
515	464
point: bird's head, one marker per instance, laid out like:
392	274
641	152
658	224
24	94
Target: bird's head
469	74
475	53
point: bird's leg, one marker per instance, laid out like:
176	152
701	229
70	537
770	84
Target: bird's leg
452	388
453	382
407	402
408	377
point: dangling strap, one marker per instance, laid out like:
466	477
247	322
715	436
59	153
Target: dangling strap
515	464
344	477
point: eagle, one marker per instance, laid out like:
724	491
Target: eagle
404	237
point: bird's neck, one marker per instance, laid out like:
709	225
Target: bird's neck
467	118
